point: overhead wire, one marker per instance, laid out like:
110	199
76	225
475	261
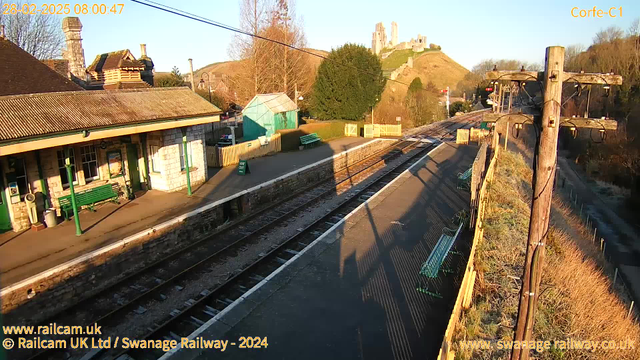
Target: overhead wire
188	15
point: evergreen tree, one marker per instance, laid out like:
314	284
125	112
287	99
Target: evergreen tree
348	84
172	80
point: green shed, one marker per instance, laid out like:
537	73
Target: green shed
267	113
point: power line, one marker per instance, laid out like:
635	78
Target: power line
204	20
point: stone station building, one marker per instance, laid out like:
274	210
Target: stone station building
131	140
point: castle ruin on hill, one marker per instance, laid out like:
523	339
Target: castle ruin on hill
379	40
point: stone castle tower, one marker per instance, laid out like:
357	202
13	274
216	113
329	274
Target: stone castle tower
394	33
379	39
74	52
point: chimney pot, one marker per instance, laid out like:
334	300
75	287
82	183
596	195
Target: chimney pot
143	50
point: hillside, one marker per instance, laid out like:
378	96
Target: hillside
231	68
430	66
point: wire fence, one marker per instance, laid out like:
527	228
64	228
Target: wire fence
599	242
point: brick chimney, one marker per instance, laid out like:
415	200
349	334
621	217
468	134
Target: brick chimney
74	52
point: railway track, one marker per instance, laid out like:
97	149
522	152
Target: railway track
196	313
108	306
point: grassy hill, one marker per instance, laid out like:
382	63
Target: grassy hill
231	68
399	57
430	66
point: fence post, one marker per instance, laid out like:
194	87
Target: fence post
604	249
615	276
587	222
595	230
630	308
581	210
601	243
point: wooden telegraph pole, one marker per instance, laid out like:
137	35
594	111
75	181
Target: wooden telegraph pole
545	157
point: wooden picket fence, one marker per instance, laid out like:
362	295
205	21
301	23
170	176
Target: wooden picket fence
231	155
378	130
465	293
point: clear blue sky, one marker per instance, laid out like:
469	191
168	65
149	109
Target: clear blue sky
468	31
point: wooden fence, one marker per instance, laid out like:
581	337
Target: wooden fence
231	155
377	130
351	130
465	293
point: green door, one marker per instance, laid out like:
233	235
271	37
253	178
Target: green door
134	173
5	220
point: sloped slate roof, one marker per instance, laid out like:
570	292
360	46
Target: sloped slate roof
21	73
114	60
24	116
277	103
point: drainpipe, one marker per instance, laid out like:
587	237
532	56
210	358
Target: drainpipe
186	158
43	185
74	205
143	140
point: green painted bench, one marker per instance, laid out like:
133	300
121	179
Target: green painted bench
464	179
89	197
310	139
431	268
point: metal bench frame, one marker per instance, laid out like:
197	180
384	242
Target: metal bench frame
432	267
464	179
310	139
89	198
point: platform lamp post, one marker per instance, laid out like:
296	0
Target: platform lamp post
186	159
208	83
74	205
372	110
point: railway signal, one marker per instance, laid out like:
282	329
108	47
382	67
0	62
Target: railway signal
544	173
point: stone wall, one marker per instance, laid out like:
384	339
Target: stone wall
168	174
86	275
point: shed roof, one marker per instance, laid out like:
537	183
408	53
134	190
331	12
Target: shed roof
32	115
21	73
277	103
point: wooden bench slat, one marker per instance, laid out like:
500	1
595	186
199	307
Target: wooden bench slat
88	197
309	139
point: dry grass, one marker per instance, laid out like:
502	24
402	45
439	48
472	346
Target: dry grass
576	298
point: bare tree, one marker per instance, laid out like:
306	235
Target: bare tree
609	34
268	66
634	28
38	34
571	54
253	19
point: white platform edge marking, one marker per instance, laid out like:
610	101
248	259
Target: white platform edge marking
168	223
211	321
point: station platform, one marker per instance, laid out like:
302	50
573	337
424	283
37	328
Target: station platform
352	294
25	254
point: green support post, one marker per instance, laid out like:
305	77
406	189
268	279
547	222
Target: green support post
74	205
43	184
147	178
186	159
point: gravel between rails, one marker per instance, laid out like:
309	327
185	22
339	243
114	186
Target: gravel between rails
137	322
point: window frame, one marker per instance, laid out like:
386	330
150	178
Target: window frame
94	159
155	158
24	176
74	173
189	155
